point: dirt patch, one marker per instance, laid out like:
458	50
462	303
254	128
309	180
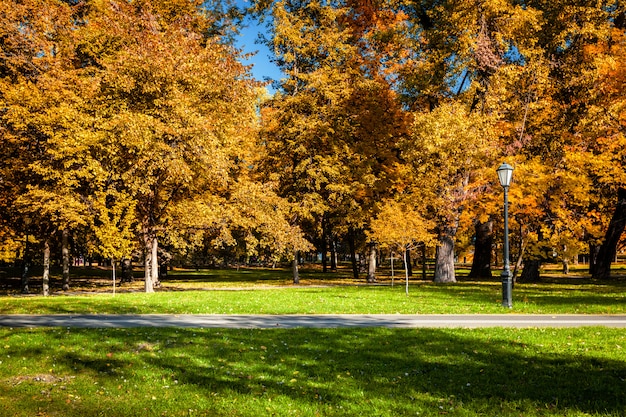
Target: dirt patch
41	378
145	347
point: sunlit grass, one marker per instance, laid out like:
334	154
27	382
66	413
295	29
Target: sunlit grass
312	372
315	372
266	291
461	298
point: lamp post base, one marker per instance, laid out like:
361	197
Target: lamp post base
507	289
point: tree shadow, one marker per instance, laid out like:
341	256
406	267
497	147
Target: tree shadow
441	370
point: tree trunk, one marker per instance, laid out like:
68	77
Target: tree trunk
355	265
481	265
163	266
127	270
333	254
406	271
45	290
444	261
113	273
530	273
149	261
518	265
520	256
371	267
424	266
593	256
155	262
324	247
608	249
294	269
409	263
65	251
25	268
392	271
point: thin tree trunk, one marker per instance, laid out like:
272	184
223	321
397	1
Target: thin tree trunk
113	266
608	249
406	271
481	265
371	267
163	267
325	257
65	251
520	256
324	247
444	261
518	264
392	272
294	269
149	261
155	262
424	262
25	267
409	262
355	265
45	290
333	255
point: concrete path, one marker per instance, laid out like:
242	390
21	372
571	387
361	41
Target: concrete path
312	321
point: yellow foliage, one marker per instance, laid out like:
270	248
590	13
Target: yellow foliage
399	227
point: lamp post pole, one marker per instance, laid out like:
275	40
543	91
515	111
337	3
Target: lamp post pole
507	278
505	174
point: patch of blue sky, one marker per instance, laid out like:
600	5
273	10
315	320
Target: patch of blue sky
260	57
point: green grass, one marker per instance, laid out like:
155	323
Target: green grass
312	372
424	298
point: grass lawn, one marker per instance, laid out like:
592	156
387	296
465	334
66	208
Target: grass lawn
267	291
312	372
426	298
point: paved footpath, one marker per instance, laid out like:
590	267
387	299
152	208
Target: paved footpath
312	321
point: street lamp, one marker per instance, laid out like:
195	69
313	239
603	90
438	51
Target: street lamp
505	175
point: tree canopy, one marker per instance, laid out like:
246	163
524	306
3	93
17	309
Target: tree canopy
135	126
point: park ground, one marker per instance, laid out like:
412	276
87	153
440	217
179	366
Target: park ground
314	372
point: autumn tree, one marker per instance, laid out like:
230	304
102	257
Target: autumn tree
522	66
399	227
331	130
127	110
461	55
600	145
174	107
40	94
113	224
251	221
446	147
558	95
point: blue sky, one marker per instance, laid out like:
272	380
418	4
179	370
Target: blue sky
262	67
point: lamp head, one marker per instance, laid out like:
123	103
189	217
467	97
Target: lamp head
505	174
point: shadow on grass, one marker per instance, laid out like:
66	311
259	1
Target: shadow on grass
9	276
363	371
85	278
256	275
604	296
559	295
